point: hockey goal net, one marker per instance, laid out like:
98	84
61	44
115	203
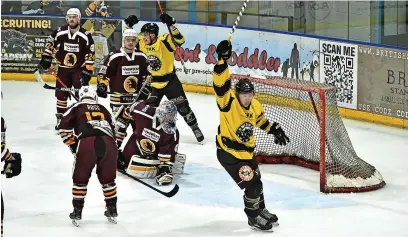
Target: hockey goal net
308	113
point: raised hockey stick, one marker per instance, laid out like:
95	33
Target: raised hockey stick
178	52
237	20
172	192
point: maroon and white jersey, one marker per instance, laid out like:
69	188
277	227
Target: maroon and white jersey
124	73
72	50
151	139
86	119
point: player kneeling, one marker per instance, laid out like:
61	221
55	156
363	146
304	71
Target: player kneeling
151	151
93	145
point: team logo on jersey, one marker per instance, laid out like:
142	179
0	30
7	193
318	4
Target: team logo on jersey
103	69
154	63
147	146
130	70
151	135
71	47
70	59
130	84
246	173
245	131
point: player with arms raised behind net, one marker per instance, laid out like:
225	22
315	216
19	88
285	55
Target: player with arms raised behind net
75	55
239	114
151	151
124	72
160	54
87	128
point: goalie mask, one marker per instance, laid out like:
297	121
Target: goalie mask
166	113
87	93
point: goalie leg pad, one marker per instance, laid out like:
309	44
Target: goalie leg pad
142	168
179	162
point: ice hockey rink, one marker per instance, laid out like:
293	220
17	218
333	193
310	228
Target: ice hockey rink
38	202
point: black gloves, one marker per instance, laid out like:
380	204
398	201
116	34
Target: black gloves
101	90
131	20
168	20
85	77
224	50
280	136
45	62
12	166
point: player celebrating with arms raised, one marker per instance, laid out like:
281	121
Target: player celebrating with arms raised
160	54
75	55
239	114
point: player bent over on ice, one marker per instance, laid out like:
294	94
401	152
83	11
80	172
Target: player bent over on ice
93	144
151	151
239	114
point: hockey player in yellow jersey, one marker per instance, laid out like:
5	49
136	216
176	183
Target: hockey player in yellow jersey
239	114
160	54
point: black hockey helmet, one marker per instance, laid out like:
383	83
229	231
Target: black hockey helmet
244	85
150	28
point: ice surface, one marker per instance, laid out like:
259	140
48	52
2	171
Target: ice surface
38	202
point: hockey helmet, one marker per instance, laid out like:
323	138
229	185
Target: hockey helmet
129	33
166	113
244	85
87	92
150	28
73	11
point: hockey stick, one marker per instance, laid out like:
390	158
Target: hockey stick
237	20
178	52
65	86
172	192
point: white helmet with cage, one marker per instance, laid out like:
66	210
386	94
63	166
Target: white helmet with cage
166	113
87	92
73	11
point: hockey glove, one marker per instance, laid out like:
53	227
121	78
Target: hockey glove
12	166
164	174
280	136
131	20
168	20
101	90
45	62
85	77
224	50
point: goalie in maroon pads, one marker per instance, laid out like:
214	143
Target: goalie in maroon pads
152	149
87	128
74	50
124	72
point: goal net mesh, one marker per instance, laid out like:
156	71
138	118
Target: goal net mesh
308	113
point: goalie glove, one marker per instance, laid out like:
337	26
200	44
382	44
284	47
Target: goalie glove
165	173
280	136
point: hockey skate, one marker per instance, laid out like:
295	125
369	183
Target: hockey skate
260	222
198	134
111	213
76	215
270	216
165	174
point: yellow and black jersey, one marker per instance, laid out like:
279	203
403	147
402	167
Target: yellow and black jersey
235	132
160	56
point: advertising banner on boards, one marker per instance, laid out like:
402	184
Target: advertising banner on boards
339	67
383	81
23	40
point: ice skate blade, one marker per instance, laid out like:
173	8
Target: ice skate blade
257	229
112	220
75	222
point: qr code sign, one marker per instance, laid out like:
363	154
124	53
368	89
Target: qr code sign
339	69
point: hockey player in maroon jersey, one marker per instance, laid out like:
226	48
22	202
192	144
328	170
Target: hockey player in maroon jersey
75	54
124	72
11	163
151	150
87	128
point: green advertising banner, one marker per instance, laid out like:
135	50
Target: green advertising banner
383	81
